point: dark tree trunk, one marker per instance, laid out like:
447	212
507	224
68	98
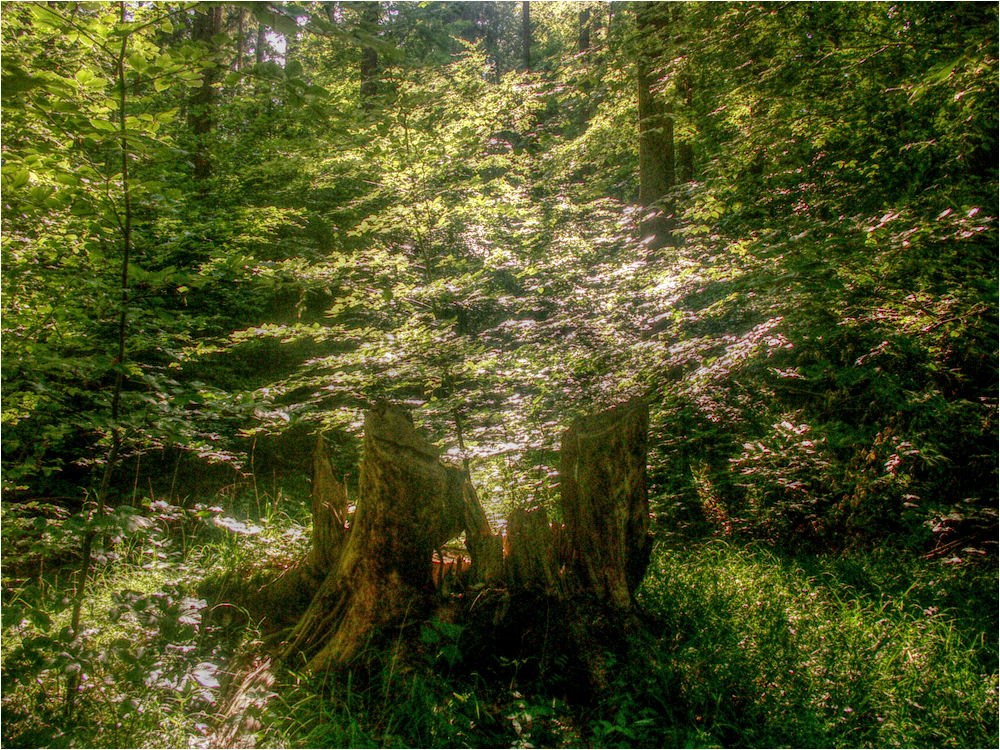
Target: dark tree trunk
685	161
685	151
261	46
526	36
531	558
656	130
201	113
329	512
604	502
241	39
583	42
369	56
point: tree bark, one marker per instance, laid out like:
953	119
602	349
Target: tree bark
201	117
530	560
261	45
409	503
329	513
583	40
526	36
685	150
485	548
369	55
604	502
241	39
656	130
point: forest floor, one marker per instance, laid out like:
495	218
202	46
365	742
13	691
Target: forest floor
743	645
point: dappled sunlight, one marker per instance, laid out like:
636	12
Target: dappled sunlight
232	232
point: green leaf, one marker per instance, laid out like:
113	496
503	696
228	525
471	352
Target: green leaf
429	635
138	62
18	179
14	80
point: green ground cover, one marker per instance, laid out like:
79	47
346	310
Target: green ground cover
743	645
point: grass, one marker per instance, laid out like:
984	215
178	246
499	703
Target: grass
744	645
144	671
879	649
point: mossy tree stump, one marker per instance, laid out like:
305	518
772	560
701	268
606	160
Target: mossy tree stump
378	575
604	502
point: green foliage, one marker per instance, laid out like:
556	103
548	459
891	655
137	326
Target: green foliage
762	648
819	350
153	658
751	647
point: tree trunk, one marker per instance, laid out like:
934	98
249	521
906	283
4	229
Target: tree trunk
241	39
685	150
531	553
409	503
583	40
369	55
261	44
656	130
604	502
485	548
526	35
329	512
201	117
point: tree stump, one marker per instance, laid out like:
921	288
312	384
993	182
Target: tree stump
604	502
379	575
530	558
409	503
329	513
485	548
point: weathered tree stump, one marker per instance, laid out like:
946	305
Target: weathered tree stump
604	502
379	574
485	548
530	552
329	513
409	503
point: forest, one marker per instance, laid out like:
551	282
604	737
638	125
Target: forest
499	374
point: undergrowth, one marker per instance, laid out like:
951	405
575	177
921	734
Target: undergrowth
742	645
745	646
146	666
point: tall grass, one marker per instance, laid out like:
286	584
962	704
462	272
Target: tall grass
882	649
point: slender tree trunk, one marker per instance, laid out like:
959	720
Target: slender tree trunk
656	130
526	35
583	41
369	56
241	40
125	228
685	91
685	161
